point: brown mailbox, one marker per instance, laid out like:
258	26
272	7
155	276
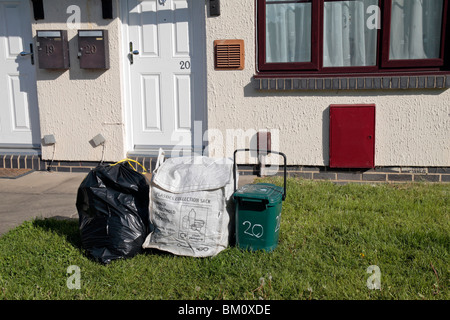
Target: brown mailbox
93	49
53	49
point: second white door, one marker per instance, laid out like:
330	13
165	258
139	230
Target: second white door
166	59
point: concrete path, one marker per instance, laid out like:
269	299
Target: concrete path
40	194
43	194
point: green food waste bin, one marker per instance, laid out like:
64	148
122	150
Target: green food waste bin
258	212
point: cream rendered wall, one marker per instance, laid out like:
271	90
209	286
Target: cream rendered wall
75	105
412	126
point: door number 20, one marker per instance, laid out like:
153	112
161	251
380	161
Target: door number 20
185	65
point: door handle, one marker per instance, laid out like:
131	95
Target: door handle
31	53
132	53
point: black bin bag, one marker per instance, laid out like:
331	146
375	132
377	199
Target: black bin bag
112	204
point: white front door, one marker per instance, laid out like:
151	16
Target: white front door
19	117
166	74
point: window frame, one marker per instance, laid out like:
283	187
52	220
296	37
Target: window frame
417	63
315	67
288	66
344	69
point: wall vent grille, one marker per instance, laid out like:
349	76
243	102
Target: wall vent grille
229	54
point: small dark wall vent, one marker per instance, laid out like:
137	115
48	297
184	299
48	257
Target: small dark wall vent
107	9
38	9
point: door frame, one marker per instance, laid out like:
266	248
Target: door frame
197	146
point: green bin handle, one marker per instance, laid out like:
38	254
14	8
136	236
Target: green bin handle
267	151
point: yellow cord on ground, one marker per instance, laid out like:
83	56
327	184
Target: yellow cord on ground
128	160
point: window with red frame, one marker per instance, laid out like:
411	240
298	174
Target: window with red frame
329	36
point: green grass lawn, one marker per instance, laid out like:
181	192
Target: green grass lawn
330	234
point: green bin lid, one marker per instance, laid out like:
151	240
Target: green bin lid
260	191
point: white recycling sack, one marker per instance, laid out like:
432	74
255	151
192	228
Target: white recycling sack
191	206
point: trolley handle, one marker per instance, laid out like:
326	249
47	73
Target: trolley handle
266	151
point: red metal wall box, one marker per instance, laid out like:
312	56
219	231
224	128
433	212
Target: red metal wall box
352	136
